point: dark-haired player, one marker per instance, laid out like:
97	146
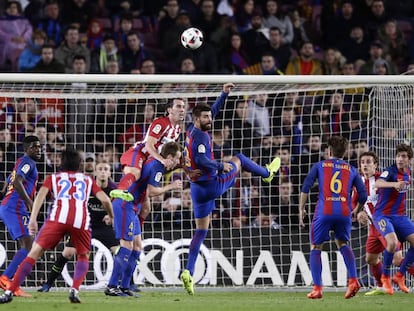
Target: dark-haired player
68	216
216	178
333	212
17	203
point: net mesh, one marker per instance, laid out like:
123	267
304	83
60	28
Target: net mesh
254	237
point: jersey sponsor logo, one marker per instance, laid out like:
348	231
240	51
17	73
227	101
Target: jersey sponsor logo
26	168
158	177
157	129
384	174
201	149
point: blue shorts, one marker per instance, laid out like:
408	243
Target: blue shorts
126	222
16	220
401	225
204	193
322	225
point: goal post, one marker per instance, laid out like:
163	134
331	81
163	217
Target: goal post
254	237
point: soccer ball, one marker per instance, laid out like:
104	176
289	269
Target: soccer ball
192	38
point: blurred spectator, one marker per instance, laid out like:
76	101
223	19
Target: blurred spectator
291	128
256	36
376	51
395	44
193	7
221	143
281	52
312	154
107	51
167	19
305	63
137	131
94	34
285	206
259	114
204	58
125	27
236	57
28	119
226	7
71	47
337	113
245	199
148	67
265	151
381	67
332	62
208	20
356	128
317	120
220	38
360	146
112	67
47	62
187	66
274	16
355	46
299	32
108	123
243	15
265	220
348	68
242	131
122	7
15	32
31	55
338	26
267	66
285	171
79	111
410	69
8	151
376	18
51	23
78	13
134	54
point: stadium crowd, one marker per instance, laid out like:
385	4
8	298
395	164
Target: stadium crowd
240	36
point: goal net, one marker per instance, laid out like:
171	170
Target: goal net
254	237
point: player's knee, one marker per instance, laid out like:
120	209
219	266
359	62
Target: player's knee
392	245
371	260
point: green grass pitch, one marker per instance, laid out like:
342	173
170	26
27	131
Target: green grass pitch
249	300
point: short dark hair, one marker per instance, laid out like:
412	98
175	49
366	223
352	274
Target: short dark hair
404	148
71	160
28	140
199	108
369	154
170	148
338	146
79	57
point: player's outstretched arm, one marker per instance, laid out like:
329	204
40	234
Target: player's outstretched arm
218	104
37	204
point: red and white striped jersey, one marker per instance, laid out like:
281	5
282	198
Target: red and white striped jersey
372	193
71	192
162	129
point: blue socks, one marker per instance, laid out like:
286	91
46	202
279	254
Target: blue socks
198	238
387	262
16	261
121	260
129	271
349	259
316	266
252	166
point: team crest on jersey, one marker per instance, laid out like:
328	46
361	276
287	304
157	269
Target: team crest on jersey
26	168
157	129
158	177
201	149
384	174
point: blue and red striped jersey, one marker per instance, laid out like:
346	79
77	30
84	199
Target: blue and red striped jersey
391	201
336	179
